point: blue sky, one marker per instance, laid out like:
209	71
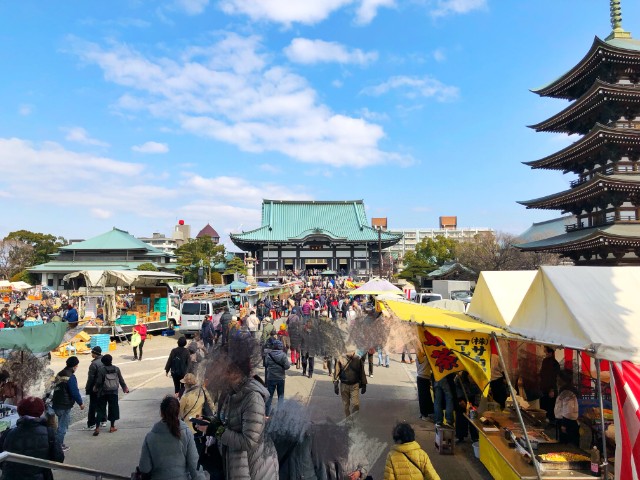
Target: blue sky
139	113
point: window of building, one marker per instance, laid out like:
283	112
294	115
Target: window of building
50	282
270	264
61	282
360	264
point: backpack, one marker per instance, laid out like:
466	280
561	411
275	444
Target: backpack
111	381
177	365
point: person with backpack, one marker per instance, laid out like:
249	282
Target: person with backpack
108	381
407	460
349	381
207	334
30	437
178	365
277	364
65	395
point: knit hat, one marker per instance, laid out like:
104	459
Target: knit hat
72	361
107	360
277	345
97	350
31	407
189	379
283	326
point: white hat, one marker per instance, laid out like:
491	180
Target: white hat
234	319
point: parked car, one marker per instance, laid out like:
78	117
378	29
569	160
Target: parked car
48	291
423	298
194	312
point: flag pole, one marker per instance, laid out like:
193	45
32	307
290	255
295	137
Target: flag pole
605	463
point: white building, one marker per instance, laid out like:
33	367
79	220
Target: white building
161	242
412	236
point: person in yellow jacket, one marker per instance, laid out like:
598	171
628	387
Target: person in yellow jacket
406	460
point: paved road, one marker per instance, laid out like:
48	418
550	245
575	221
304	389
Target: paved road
391	396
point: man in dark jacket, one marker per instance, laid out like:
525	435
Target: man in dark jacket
96	363
225	320
30	437
349	381
277	363
178	365
65	395
108	379
207	333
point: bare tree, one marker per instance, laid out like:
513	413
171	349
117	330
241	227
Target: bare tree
15	256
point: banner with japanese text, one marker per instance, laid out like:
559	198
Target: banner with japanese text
452	351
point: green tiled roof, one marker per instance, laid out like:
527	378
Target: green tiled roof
623	231
113	240
293	221
58	266
448	268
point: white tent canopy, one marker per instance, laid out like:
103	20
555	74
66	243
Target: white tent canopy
118	278
376	286
499	294
21	285
586	308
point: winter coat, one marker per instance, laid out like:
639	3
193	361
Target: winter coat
184	355
225	320
266	331
350	370
30	437
276	362
166	457
100	379
249	454
96	363
191	404
295	334
252	323
401	460
66	392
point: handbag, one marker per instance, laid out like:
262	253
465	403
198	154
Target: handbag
138	475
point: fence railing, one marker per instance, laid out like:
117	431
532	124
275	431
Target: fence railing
38	462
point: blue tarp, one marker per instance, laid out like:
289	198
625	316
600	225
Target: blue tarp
262	284
238	285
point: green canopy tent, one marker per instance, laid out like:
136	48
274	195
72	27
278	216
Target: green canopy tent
36	339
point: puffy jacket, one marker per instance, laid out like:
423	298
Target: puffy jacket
30	437
191	404
249	454
96	363
295	335
408	461
65	392
166	457
350	370
100	379
276	362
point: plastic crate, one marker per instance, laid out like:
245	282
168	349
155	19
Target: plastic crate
168	333
100	340
126	321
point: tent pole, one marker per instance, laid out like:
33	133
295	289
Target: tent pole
605	463
515	402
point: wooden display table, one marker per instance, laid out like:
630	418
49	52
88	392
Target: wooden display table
505	463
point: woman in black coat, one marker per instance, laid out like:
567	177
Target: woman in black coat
30	437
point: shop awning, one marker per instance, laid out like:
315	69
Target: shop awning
37	339
585	308
498	295
117	278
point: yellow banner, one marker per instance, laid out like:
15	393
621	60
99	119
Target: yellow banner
452	351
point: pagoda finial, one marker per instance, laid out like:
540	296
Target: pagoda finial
616	21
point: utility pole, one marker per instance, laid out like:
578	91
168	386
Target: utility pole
380	249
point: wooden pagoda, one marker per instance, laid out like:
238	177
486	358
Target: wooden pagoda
604	88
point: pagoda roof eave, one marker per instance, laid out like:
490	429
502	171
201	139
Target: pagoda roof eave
559	87
588	238
558	122
589	188
596	137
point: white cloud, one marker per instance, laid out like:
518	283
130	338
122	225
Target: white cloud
25	110
80	135
151	147
368	9
303	50
414	87
229	91
267	167
101	213
448	7
374	116
308	12
337	83
439	55
564	138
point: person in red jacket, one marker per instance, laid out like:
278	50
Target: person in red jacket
142	330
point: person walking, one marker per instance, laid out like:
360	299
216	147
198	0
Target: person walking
277	364
369	356
349	381
407	460
423	381
140	329
207	333
406	351
383	352
169	450
33	438
309	347
108	381
178	365
295	338
96	363
253	322
225	320
65	396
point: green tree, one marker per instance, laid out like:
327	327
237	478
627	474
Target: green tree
147	267
24	276
195	253
42	244
235	265
428	255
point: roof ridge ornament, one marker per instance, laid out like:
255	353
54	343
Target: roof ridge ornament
615	12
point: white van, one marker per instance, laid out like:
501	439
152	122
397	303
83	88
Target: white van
194	312
427	297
